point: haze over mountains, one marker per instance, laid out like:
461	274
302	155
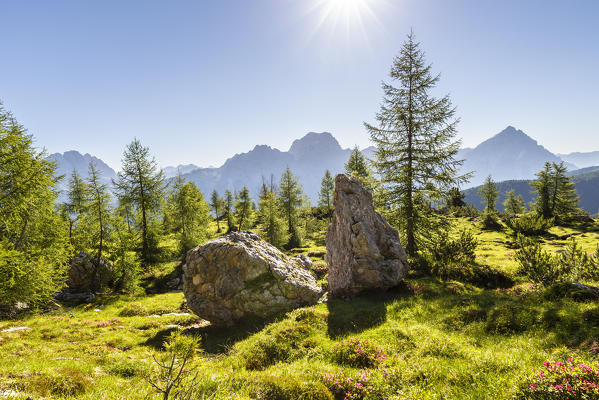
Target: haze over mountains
509	155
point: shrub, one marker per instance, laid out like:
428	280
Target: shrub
133	310
287	388
455	250
524	289
357	353
576	265
480	275
558	380
536	264
491	222
529	224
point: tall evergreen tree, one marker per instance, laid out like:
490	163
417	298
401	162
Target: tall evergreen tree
488	192
76	205
327	189
416	146
513	204
455	198
228	204
99	209
357	165
272	224
216	203
34	246
141	184
290	199
243	208
556	193
188	212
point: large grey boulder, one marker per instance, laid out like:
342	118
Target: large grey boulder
363	250
240	275
86	273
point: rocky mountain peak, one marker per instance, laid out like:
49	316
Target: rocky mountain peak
314	142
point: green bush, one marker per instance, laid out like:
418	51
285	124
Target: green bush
491	222
568	290
288	388
529	224
536	264
460	249
475	274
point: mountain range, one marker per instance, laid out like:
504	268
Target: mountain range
510	155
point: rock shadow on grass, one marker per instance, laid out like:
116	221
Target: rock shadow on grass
356	315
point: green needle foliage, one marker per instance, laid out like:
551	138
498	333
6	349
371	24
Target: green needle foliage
271	221
216	204
327	190
141	184
513	204
99	209
357	164
34	246
416	146
556	194
290	199
228	204
188	214
243	209
488	192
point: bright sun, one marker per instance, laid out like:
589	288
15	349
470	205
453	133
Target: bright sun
346	15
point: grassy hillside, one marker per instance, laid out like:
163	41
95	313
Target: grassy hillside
427	339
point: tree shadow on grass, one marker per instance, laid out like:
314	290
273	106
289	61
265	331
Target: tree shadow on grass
358	314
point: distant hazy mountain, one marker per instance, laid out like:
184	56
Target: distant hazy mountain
586	181
307	157
169	172
511	154
582	160
70	161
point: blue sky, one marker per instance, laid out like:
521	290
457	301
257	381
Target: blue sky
199	81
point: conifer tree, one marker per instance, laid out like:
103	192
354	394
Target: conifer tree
416	146
357	165
270	220
556	193
34	246
455	198
216	203
327	189
188	212
99	209
228	204
290	199
243	208
513	204
76	205
488	192
141	184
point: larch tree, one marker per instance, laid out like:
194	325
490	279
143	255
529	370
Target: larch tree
99	209
556	193
327	190
270	220
357	164
216	204
513	204
228	204
188	212
290	200
488	193
34	243
141	183
415	144
77	197
243	209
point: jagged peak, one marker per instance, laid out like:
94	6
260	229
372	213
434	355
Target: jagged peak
314	141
